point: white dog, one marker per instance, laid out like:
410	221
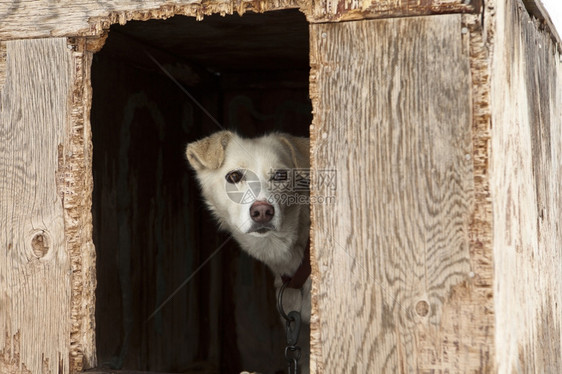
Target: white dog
258	191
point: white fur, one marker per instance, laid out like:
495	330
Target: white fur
281	249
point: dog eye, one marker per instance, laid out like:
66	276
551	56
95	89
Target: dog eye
234	176
279	175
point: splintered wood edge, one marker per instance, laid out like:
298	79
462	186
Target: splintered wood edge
315	320
315	11
75	187
100	25
481	224
97	32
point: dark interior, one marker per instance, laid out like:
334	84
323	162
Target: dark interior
158	85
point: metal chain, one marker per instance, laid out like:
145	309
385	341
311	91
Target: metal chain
293	327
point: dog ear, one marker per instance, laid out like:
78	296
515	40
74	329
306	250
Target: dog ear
300	150
208	153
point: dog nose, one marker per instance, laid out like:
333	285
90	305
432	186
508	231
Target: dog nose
261	212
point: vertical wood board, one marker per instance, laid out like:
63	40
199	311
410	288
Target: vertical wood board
526	85
34	265
393	275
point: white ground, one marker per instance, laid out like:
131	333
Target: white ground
554	8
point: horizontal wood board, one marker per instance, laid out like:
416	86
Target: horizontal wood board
43	18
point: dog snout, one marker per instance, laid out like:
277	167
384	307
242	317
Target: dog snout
262	212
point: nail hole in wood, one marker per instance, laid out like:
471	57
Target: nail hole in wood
422	308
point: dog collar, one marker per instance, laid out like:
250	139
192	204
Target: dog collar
300	276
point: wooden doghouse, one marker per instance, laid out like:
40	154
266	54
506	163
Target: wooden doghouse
436	146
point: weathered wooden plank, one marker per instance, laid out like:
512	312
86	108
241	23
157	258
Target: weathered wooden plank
346	10
526	83
43	18
396	280
35	268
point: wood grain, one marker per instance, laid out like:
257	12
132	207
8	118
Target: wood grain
35	268
42	18
526	84
402	257
394	283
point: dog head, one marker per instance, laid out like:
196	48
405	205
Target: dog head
254	187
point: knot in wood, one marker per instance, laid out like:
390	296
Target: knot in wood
422	308
40	244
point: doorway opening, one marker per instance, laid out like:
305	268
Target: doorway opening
157	85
